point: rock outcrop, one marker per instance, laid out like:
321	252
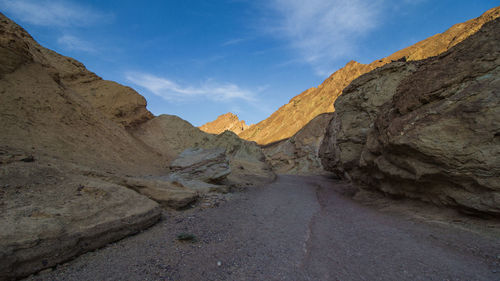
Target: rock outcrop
170	135
291	117
246	160
225	122
298	155
201	169
425	129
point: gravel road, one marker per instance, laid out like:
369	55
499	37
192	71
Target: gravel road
298	228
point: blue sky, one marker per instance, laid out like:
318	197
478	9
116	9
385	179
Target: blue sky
198	58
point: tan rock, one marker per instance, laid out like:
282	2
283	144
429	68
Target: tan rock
43	114
168	194
169	135
49	216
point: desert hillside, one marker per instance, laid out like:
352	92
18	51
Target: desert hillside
291	117
83	163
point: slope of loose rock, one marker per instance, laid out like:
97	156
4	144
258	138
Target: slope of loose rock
425	129
291	117
228	121
299	154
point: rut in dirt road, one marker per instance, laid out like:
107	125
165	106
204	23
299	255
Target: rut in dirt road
298	228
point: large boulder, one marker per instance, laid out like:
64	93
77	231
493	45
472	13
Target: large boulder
210	165
49	215
246	159
426	129
201	169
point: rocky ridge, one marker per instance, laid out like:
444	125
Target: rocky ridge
228	121
425	129
291	117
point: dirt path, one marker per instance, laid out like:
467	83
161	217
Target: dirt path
299	228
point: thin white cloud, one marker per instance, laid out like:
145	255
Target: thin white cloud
324	30
53	12
171	91
234	41
73	43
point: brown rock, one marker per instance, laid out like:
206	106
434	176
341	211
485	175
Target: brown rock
291	117
228	121
426	129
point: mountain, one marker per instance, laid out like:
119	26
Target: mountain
427	130
291	117
228	121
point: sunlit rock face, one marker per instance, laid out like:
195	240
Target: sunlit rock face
293	116
225	122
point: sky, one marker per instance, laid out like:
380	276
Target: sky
198	59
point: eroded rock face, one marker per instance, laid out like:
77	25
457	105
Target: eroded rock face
49	216
299	154
294	115
225	122
425	129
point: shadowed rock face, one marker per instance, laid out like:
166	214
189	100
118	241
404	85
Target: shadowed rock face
291	117
425	129
227	121
298	155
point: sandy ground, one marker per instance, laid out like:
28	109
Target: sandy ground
298	228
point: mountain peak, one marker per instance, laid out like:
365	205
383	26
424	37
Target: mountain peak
225	122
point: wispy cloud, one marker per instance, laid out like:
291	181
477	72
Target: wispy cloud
53	12
172	91
234	41
73	43
322	31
